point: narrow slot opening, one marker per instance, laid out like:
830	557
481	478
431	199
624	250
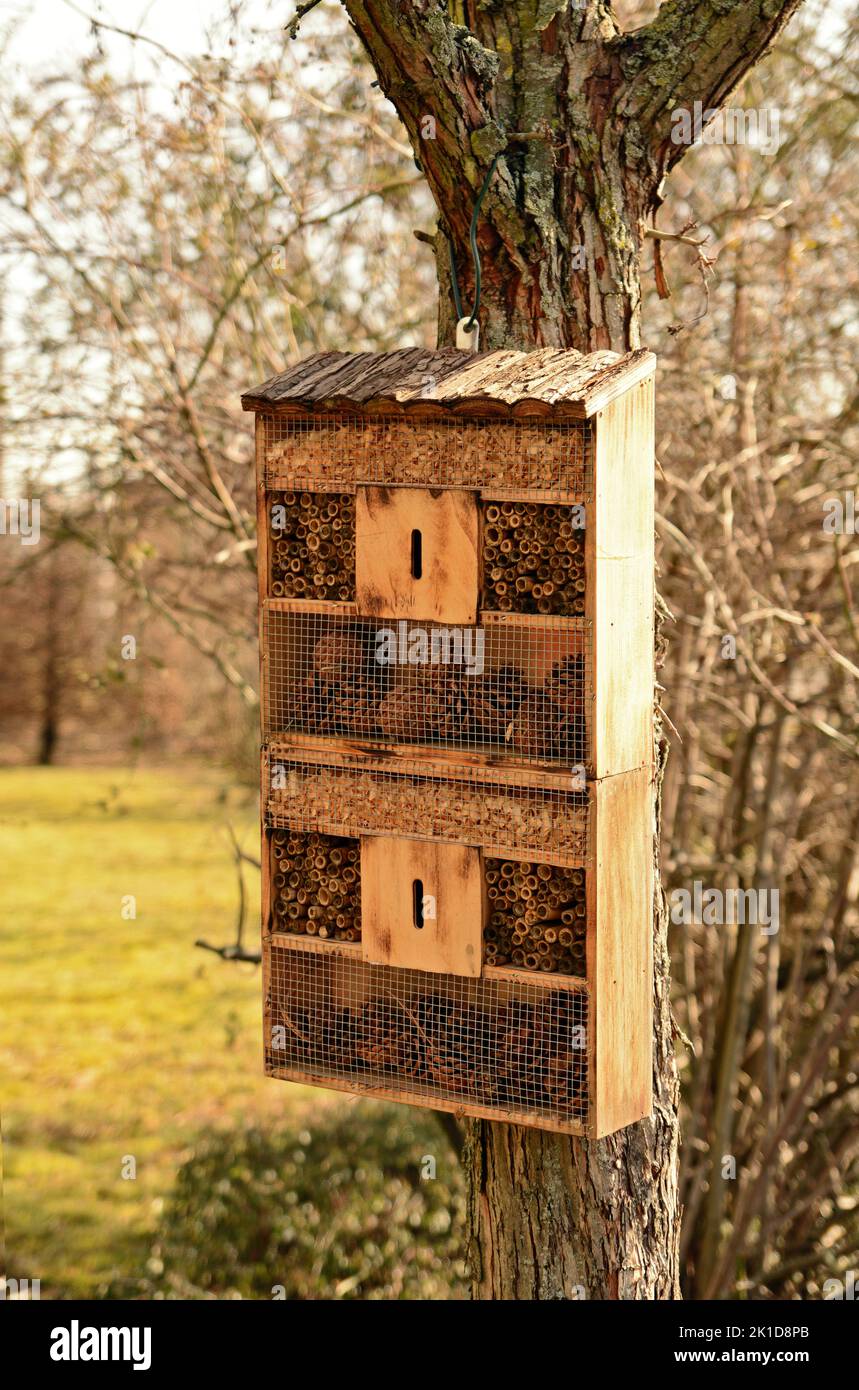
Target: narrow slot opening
418	903
417	555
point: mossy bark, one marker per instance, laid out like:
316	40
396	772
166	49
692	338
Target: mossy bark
580	116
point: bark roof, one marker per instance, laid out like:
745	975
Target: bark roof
548	382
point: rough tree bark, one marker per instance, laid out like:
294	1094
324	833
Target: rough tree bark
580	115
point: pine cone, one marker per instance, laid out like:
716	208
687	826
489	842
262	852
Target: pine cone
291	696
317	1037
357	703
566	684
450	695
387	1040
404	716
536	727
413	712
321	707
494	701
340	656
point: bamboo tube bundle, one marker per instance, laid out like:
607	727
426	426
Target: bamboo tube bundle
566	1076
536	1057
566	1067
520	1052
533	559
316	885
538	919
565	684
312	544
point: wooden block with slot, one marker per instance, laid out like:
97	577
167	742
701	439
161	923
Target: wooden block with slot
422	905
416	554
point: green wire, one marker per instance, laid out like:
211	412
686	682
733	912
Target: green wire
475	255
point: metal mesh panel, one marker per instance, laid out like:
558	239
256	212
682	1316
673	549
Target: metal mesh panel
344	796
537	918
311	545
325	452
521	691
516	1048
315	885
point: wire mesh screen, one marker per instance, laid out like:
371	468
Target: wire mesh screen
311	545
518	1048
519	691
315	885
533	558
346	797
324	452
537	917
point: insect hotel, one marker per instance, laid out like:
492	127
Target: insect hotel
456	629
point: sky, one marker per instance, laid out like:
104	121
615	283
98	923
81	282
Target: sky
51	30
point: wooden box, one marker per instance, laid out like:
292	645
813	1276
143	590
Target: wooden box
456	622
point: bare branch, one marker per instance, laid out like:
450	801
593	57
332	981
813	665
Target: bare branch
693	51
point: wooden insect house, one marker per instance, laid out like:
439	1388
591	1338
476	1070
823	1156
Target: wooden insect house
456	627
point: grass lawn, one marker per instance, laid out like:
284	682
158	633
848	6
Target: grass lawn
119	1037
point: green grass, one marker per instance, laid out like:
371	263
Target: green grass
119	1037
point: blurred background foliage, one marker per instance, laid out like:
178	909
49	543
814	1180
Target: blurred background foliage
173	234
349	1209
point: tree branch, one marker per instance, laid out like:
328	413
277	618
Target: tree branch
694	50
432	69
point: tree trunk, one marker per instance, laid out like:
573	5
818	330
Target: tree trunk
548	1216
568	124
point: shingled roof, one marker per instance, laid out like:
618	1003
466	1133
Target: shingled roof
552	382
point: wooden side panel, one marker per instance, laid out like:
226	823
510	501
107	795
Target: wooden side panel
620	600
386	521
449	881
262	590
263	557
620	950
